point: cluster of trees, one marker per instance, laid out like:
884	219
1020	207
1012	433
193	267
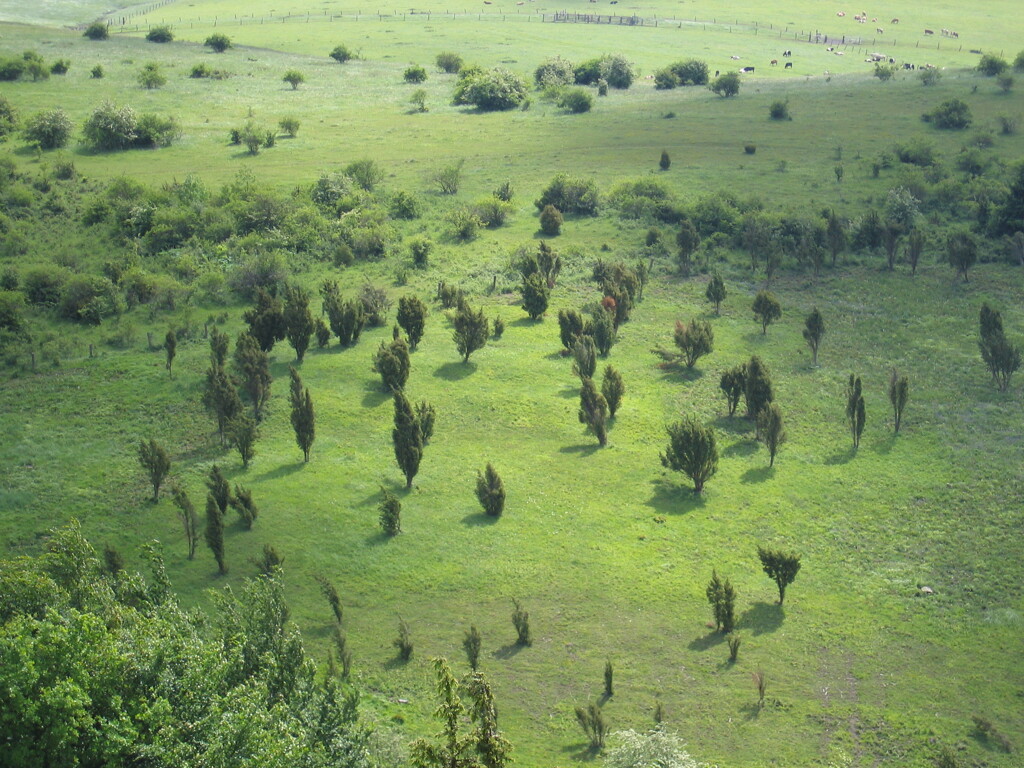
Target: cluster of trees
30	65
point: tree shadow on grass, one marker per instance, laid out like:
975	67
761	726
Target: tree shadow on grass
479	519
884	446
750	711
757	474
582	754
704	642
673	498
283	471
374	395
761	618
735	425
559	355
740	448
507	651
455	371
395	662
674	372
570	393
843	457
524	322
584	449
378	539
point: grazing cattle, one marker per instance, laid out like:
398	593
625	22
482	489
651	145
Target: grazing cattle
954	34
735	58
838	53
716	73
787	53
789	65
774	62
895	21
747	70
929	31
840	13
830	48
879	30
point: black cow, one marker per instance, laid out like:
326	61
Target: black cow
787	53
789	65
747	70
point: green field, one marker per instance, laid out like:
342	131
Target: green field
608	551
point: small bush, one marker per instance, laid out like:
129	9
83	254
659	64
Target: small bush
494	90
464	224
151	76
726	85
1005	81
1007	125
491	211
366	173
448	62
290	126
992	65
554	72
161	34
551	221
953	115
405	205
576	100
779	110
884	72
521	621
97	31
420	247
61	67
665	79
341	54
916	152
570	194
750	148
929	76
48	130
414	73
294	78
403	642
218	42
390	513
96	73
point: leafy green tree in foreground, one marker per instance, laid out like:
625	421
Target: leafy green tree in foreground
471	329
781	567
490	491
899	393
722	598
257	696
156	462
692	451
657	748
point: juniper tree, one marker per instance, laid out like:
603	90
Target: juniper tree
253	366
303	416
591	720
609	675
961	251
243	433
391	361
536	295
471	645
570	327
733	384
390	509
688	242
999	354
584	356
694	340
221	398
243	504
757	386
412	316
722	598
330	593
899	392
189	521
490	491
298	320
426	415
219	342
156	462
835	236
814	332
665	162
266	320
715	292
215	532
492	749
770	430
915	246
471	329
781	567
691	450
602	330
453	749
521	621
404	640
594	411
613	389
407	437
170	348
766	309
219	488
855	409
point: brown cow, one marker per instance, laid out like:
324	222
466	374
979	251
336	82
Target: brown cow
774	62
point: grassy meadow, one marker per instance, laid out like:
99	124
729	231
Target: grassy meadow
609	552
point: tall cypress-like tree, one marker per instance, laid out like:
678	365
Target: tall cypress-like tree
716	292
757	386
733	384
407	438
392	362
215	532
298	320
536	295
241	501
253	365
304	423
899	393
219	488
189	521
855	413
156	462
221	397
613	389
594	411
490	491
412	316
814	332
770	430
219	342
170	348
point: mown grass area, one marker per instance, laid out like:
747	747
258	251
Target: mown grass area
609	552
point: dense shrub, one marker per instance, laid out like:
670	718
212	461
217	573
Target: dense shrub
691	72
617	71
60	67
916	152
494	90
89	299
991	65
551	221
48	130
8	117
341	54
448	62
96	31
570	195
779	110
665	79
12	69
366	173
218	42
953	114
43	286
161	34
576	100
414	73
557	71
151	76
726	85
491	211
